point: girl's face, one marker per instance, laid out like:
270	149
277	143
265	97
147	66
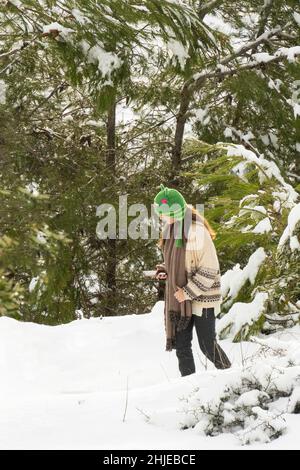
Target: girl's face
167	218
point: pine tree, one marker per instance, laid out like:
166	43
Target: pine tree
256	214
11	293
70	70
67	67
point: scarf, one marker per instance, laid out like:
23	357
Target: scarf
177	315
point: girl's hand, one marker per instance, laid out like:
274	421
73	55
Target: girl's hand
161	276
179	295
160	272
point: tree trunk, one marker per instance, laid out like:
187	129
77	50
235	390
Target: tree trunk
174	179
111	265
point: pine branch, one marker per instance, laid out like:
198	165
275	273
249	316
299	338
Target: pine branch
149	129
200	77
15	51
227	73
264	37
208	7
60	87
198	80
246	144
265	12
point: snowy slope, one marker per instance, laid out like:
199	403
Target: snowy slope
65	387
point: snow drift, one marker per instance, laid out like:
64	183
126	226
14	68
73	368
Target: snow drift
109	384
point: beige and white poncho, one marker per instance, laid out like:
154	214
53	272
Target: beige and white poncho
203	270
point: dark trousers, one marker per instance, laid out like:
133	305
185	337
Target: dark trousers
205	329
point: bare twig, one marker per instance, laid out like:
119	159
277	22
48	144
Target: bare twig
126	403
144	414
15	51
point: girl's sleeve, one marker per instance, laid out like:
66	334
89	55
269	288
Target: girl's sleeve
206	265
200	282
161	267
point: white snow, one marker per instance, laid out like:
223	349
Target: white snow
261	209
178	50
2	91
296	107
41	237
248	136
275	84
249	196
228	132
125	114
242	314
294	243
282	198
296	17
217	23
79	16
264	226
293	220
32	188
254	209
289	52
251	398
202	115
262	57
91	283
269	168
33	283
58	27
273	139
233	280
294	400
265	139
106	61
240	170
17	3
276	205
65	387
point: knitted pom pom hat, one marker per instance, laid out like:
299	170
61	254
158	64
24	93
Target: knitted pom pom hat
172	203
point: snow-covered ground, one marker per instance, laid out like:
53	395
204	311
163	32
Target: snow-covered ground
109	384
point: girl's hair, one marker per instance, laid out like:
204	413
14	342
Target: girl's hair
195	214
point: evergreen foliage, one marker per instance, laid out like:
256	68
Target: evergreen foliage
64	66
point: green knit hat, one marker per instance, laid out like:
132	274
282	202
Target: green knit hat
163	203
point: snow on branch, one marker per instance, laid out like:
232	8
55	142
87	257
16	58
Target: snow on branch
15	51
252	402
268	168
221	70
208	7
283	52
241	316
288	234
264	37
54	29
234	279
